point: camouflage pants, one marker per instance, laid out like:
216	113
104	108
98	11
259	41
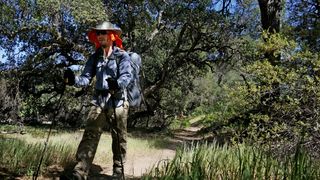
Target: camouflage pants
97	120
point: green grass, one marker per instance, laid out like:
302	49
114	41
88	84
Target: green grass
19	157
187	121
20	154
242	162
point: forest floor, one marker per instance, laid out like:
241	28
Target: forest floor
137	162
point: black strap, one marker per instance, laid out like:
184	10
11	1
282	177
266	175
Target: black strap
95	61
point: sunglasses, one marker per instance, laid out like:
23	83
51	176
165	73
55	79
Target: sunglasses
101	32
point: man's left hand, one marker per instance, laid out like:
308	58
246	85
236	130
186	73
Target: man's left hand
69	77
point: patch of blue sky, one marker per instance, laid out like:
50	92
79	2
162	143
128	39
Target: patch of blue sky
3	56
218	5
18	53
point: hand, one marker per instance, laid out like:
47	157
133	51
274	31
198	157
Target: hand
69	77
113	84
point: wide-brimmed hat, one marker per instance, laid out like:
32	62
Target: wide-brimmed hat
108	26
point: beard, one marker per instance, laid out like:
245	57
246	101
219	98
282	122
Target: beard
105	43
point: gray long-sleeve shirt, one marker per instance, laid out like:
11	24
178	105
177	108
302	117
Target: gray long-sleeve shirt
104	69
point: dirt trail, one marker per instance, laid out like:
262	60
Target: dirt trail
137	164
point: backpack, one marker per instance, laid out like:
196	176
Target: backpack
133	92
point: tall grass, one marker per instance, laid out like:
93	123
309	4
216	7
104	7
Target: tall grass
20	157
20	154
242	162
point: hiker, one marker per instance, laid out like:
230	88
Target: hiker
109	104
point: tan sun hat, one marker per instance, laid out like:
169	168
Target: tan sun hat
108	26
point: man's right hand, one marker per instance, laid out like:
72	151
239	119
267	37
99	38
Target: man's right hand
113	84
69	77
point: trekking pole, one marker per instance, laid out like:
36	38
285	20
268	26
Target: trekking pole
118	137
36	173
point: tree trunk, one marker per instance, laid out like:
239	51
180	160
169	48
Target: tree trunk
270	14
270	11
270	19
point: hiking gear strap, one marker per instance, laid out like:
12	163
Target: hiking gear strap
118	75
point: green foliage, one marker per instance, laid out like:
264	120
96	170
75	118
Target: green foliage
242	162
29	108
87	12
290	113
296	78
303	23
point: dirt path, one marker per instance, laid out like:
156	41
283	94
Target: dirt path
137	164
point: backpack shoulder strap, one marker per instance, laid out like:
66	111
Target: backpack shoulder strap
117	59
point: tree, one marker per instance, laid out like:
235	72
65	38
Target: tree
280	93
304	22
270	11
271	14
178	41
40	38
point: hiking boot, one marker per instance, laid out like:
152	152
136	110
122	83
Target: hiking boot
72	176
117	173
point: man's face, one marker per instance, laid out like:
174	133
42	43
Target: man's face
104	38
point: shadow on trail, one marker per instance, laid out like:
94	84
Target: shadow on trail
5	174
94	174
